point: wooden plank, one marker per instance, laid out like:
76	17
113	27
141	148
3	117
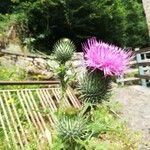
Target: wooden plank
51	100
44	106
33	110
13	120
8	123
29	112
132	70
17	118
73	98
5	130
28	118
143	63
28	82
141	70
147	77
48	135
31	101
132	63
127	79
143	50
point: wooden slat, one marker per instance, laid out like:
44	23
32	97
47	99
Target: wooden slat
40	117
28	118
131	70
143	63
132	63
143	50
31	102
8	123
27	82
5	130
65	100
73	98
13	120
147	77
50	99
127	79
44	106
33	109
17	118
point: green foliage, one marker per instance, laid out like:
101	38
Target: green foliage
119	22
12	73
94	87
70	130
136	26
97	130
18	20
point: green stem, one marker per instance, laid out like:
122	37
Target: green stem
62	97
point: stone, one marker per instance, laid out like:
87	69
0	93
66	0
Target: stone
23	62
7	61
40	63
39	74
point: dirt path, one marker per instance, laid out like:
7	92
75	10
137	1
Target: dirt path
136	101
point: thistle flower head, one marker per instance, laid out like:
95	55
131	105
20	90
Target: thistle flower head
64	50
110	59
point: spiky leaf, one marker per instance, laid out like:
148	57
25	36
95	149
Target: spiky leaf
72	129
94	87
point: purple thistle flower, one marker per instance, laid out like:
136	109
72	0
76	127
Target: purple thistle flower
110	59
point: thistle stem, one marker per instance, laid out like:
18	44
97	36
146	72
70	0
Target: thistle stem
62	96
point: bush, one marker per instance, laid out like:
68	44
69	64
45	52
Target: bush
119	22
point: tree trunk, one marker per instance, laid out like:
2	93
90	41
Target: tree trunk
146	4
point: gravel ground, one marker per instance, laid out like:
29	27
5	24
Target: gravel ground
136	110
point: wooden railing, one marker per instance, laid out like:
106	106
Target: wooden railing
28	115
140	68
28	82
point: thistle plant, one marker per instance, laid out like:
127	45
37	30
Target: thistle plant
103	61
94	87
63	52
70	130
110	59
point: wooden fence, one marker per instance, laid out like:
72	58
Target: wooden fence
27	115
140	68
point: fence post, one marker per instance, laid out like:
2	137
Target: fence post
120	80
141	69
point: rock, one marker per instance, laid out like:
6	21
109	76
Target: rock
37	73
40	63
23	62
7	61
